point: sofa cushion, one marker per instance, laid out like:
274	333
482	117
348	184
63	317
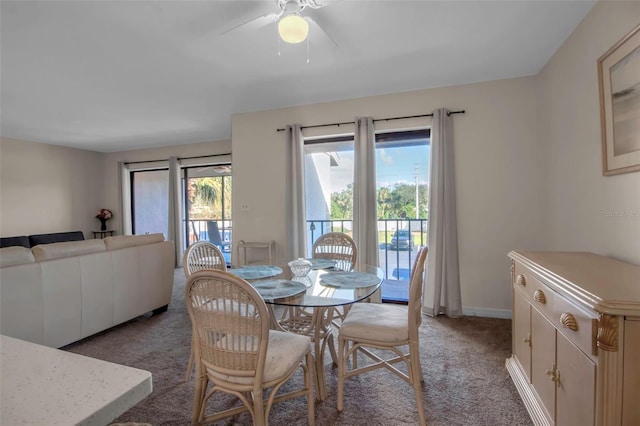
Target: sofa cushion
67	249
56	237
123	241
16	255
22	241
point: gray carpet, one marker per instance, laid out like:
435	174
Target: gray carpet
466	382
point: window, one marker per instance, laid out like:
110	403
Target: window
150	201
328	186
207	205
205	195
402	173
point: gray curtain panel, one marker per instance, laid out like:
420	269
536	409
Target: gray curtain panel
122	194
365	211
442	290
175	220
296	214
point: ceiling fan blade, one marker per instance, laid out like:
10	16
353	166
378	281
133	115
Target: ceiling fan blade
318	29
255	23
317	4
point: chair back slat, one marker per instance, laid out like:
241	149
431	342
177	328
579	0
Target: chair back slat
336	246
230	323
202	255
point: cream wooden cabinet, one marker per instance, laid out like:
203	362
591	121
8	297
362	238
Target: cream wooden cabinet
576	338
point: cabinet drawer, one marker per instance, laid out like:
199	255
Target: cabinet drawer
578	326
575	324
537	293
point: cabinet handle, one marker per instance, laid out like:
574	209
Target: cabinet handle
521	279
527	340
569	321
539	296
554	373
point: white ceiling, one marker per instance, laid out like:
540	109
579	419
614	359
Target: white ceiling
119	75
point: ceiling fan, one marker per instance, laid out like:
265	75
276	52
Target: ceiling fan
293	27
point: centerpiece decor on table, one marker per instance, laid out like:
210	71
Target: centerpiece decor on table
300	267
104	215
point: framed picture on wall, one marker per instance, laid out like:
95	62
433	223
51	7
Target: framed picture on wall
619	80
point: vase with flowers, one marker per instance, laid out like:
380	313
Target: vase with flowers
104	215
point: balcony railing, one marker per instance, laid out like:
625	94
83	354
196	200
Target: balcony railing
198	231
395	260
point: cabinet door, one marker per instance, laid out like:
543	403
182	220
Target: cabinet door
575	398
630	405
543	358
522	333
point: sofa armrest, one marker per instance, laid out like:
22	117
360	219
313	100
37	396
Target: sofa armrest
68	249
124	241
16	255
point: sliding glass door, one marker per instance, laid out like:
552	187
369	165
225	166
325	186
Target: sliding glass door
201	206
402	176
328	186
150	201
207	210
402	173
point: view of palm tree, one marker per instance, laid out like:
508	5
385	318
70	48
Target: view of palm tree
208	196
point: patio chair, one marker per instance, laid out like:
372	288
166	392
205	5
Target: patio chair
388	327
236	352
200	256
213	233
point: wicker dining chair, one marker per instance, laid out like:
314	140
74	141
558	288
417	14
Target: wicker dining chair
389	327
341	248
237	353
336	246
200	256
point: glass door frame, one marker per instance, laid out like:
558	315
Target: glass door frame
187	204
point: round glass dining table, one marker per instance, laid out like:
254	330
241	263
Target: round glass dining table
322	290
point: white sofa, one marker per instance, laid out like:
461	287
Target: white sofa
55	294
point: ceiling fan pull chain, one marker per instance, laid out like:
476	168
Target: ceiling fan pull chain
278	41
308	61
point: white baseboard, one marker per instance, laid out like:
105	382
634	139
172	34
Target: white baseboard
471	311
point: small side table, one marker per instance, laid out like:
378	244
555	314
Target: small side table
243	245
102	234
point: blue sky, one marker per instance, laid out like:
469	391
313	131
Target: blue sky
393	165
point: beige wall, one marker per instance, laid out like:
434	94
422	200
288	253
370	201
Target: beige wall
47	188
500	173
586	210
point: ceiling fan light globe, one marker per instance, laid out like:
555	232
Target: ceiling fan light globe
293	29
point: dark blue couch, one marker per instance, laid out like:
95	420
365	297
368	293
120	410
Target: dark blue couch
37	239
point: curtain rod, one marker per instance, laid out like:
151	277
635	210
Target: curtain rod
374	120
179	158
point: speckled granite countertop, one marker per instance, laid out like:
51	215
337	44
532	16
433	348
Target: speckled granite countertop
47	386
